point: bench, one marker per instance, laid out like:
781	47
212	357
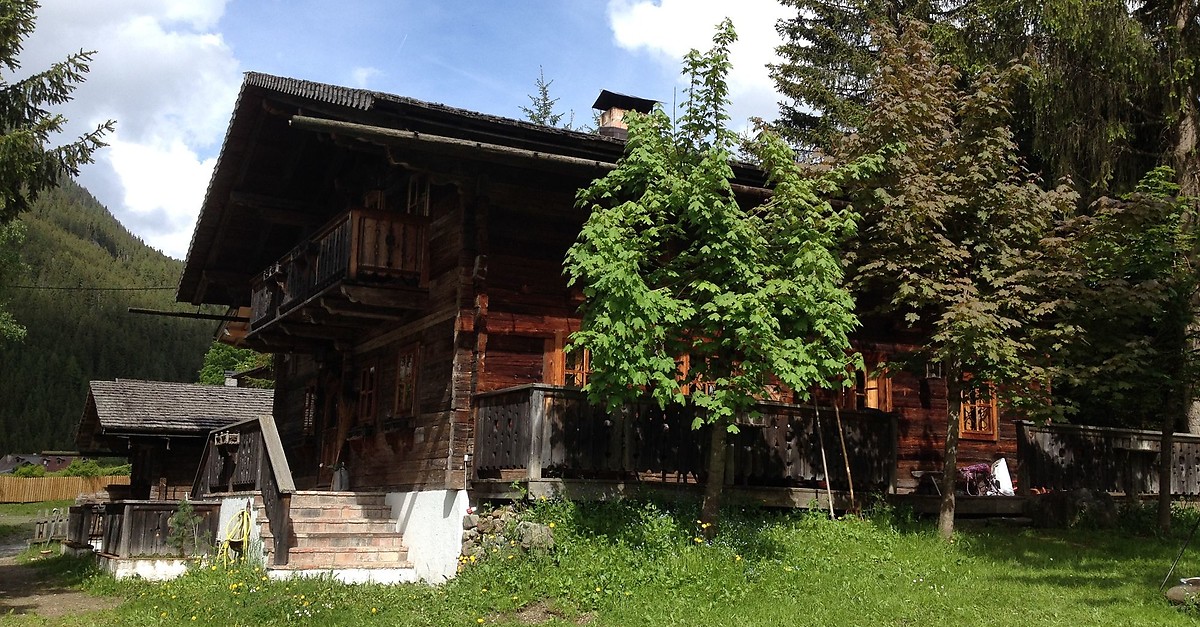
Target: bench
934	476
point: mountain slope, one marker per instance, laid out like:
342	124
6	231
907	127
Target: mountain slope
82	333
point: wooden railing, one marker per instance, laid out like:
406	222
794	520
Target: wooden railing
550	431
248	456
360	245
1067	457
86	524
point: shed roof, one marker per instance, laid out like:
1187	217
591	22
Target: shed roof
137	407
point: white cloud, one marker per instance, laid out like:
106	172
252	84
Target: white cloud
360	76
169	80
668	29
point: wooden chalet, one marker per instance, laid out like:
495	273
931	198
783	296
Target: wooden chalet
161	427
403	260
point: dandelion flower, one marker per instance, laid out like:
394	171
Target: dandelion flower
551	525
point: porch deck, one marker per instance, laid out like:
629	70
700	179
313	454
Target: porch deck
549	440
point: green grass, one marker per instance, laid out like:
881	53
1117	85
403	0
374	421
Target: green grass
29	510
640	564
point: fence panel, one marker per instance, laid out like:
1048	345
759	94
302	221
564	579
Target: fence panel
38	489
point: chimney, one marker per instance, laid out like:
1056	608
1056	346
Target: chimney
612	108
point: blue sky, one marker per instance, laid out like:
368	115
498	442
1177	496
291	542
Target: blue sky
168	71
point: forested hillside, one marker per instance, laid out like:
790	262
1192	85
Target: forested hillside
79	334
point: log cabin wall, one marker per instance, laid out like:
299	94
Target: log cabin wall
528	308
921	404
529	303
385	446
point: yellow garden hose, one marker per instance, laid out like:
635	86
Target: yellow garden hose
237	533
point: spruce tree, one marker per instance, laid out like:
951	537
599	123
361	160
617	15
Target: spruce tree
29	162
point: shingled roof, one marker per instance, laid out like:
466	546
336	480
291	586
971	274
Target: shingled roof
131	407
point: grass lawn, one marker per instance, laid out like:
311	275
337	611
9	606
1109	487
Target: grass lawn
16	519
641	564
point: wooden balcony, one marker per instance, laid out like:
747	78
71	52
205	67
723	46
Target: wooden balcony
362	267
539	432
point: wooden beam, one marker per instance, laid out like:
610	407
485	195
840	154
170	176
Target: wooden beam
399	298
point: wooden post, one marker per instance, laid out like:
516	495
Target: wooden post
537	419
123	542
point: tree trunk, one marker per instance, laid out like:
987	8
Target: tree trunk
1167	442
715	467
950	463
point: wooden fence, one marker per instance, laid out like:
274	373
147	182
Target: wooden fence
38	489
1067	457
548	431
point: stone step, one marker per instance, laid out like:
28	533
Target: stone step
352	526
343	511
316	499
347	557
390	541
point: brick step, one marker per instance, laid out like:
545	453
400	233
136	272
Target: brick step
342	512
347	557
316	499
348	540
359	526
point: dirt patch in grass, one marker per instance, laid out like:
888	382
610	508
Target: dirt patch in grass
24	589
543	612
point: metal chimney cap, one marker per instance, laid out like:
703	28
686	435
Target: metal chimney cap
611	99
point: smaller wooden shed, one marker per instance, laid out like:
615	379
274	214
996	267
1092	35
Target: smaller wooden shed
161	427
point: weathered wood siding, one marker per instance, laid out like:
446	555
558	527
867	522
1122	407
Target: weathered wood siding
387	449
529	232
921	406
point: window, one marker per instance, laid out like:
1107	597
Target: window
560	367
310	408
418	195
406	381
366	393
978	417
872	390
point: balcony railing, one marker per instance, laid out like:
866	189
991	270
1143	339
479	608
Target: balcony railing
544	431
362	246
1069	457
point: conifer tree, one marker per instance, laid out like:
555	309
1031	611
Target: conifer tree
541	109
29	162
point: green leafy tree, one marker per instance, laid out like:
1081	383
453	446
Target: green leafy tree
953	228
1132	292
222	358
1112	91
541	109
672	266
29	161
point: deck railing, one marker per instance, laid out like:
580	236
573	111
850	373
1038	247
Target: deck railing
1067	457
361	244
550	431
248	456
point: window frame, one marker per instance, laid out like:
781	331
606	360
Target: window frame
368	385
401	406
971	400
